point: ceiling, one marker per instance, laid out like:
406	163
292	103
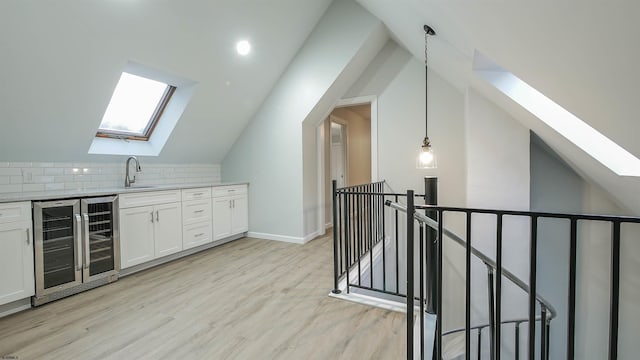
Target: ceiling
581	54
61	61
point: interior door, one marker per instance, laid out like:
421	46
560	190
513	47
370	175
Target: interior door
338	154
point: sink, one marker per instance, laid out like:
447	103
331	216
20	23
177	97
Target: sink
142	187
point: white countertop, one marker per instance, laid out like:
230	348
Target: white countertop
79	193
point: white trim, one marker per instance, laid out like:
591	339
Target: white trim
14	307
313	235
373	100
283	238
371	301
369	99
320	139
328	225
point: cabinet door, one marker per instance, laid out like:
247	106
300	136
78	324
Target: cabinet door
168	229
16	262
136	235
239	215
221	218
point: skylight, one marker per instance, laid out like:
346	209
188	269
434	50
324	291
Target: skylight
590	140
135	107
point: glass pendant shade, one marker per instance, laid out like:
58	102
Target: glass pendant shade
426	158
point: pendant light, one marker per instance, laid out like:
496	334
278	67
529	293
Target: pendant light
426	157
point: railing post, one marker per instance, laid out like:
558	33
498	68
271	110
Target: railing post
431	238
410	283
492	314
615	291
347	239
543	331
334	187
517	343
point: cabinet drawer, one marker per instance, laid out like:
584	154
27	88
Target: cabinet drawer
11	212
196	210
196	234
149	198
196	194
219	191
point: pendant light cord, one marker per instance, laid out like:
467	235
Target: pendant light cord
426	86
427	32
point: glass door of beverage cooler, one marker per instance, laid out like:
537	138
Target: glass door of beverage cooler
101	237
58	248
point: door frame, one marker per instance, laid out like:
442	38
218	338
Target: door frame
372	100
345	144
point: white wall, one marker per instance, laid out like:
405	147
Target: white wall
269	153
555	186
497	151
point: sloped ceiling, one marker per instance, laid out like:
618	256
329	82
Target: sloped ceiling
61	60
581	54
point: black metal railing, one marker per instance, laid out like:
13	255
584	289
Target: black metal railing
495	272
495	280
367	229
360	229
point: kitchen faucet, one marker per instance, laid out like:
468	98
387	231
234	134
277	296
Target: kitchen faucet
127	181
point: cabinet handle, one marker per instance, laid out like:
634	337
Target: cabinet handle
152	217
197	194
78	242
157	215
87	248
198	235
28	237
198	211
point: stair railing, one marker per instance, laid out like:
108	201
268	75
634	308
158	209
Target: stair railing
548	312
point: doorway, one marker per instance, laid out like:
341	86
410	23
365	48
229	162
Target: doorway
348	148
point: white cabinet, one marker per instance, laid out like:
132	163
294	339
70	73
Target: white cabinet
137	244
16	252
168	229
230	211
196	217
150	226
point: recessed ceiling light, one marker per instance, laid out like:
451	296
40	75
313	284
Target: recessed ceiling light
243	47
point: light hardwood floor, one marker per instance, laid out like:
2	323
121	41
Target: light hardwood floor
248	299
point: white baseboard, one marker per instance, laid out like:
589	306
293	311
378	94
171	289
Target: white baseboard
313	235
14	307
283	238
327	225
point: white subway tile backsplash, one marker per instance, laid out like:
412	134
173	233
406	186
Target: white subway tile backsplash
41	179
20	164
54	186
32	187
33	171
11	188
11	171
54	171
43	176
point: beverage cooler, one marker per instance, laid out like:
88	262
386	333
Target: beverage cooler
76	246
